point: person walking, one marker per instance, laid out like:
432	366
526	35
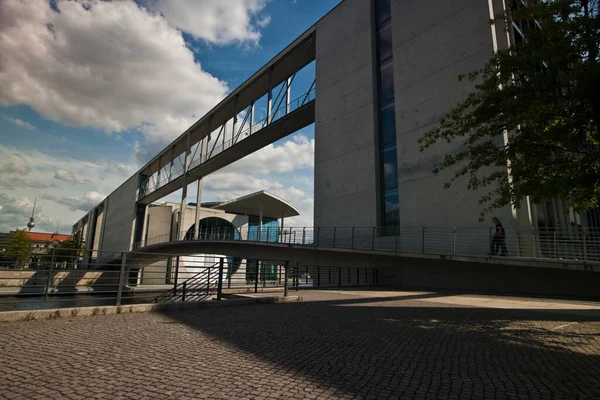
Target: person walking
499	239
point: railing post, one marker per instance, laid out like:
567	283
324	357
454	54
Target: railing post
176	276
207	282
297	275
397	235
533	242
317	240
373	242
256	276
357	276
183	292
121	278
318	276
285	279
490	241
423	240
303	235
340	276
334	232
220	285
555	246
454	241
49	276
229	275
585	244
268	231
352	240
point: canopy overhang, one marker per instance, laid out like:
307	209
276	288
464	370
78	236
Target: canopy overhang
260	203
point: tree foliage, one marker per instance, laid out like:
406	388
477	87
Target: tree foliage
70	250
530	127
20	246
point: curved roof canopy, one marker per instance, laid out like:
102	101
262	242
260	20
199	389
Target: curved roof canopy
271	205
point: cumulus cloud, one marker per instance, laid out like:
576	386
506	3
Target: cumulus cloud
294	154
16	164
15	213
19	122
84	203
65	176
108	65
216	21
14	182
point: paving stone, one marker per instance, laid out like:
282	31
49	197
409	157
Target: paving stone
332	346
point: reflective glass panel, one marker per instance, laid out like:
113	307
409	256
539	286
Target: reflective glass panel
384	37
386	81
389	166
384	10
391	208
387	123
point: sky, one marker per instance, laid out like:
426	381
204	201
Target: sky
90	90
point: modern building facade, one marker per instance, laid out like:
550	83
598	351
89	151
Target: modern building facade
386	72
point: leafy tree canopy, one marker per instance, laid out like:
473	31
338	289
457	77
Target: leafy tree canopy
543	94
20	246
71	249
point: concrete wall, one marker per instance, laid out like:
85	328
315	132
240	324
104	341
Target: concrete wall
433	43
159	224
345	166
484	277
119	218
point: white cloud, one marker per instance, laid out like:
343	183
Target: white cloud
108	65
65	176
294	154
15	213
19	122
63	202
84	203
216	21
16	164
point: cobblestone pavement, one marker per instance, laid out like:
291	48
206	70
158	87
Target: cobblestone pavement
332	346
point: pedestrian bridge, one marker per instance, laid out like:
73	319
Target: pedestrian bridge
414	263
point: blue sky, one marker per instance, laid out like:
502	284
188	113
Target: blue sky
88	93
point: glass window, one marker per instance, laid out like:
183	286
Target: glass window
391	208
384	10
389	162
384	37
387	123
386	81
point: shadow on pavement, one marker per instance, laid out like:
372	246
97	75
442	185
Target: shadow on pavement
403	346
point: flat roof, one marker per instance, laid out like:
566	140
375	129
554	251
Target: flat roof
271	205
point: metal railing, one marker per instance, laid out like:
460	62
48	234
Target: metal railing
577	244
79	278
237	137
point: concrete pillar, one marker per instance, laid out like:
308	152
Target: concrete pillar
251	116
270	98
158	173
233	132
186	165
260	221
198	202
288	89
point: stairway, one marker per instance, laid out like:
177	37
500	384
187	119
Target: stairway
199	287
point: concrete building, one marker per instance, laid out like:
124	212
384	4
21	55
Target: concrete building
386	72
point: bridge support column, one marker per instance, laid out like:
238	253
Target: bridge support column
198	202
270	98
288	89
188	150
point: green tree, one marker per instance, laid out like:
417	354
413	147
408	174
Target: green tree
70	250
20	247
543	94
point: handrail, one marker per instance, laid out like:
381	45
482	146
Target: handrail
575	244
293	105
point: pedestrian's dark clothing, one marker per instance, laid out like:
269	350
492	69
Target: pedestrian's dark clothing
499	241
